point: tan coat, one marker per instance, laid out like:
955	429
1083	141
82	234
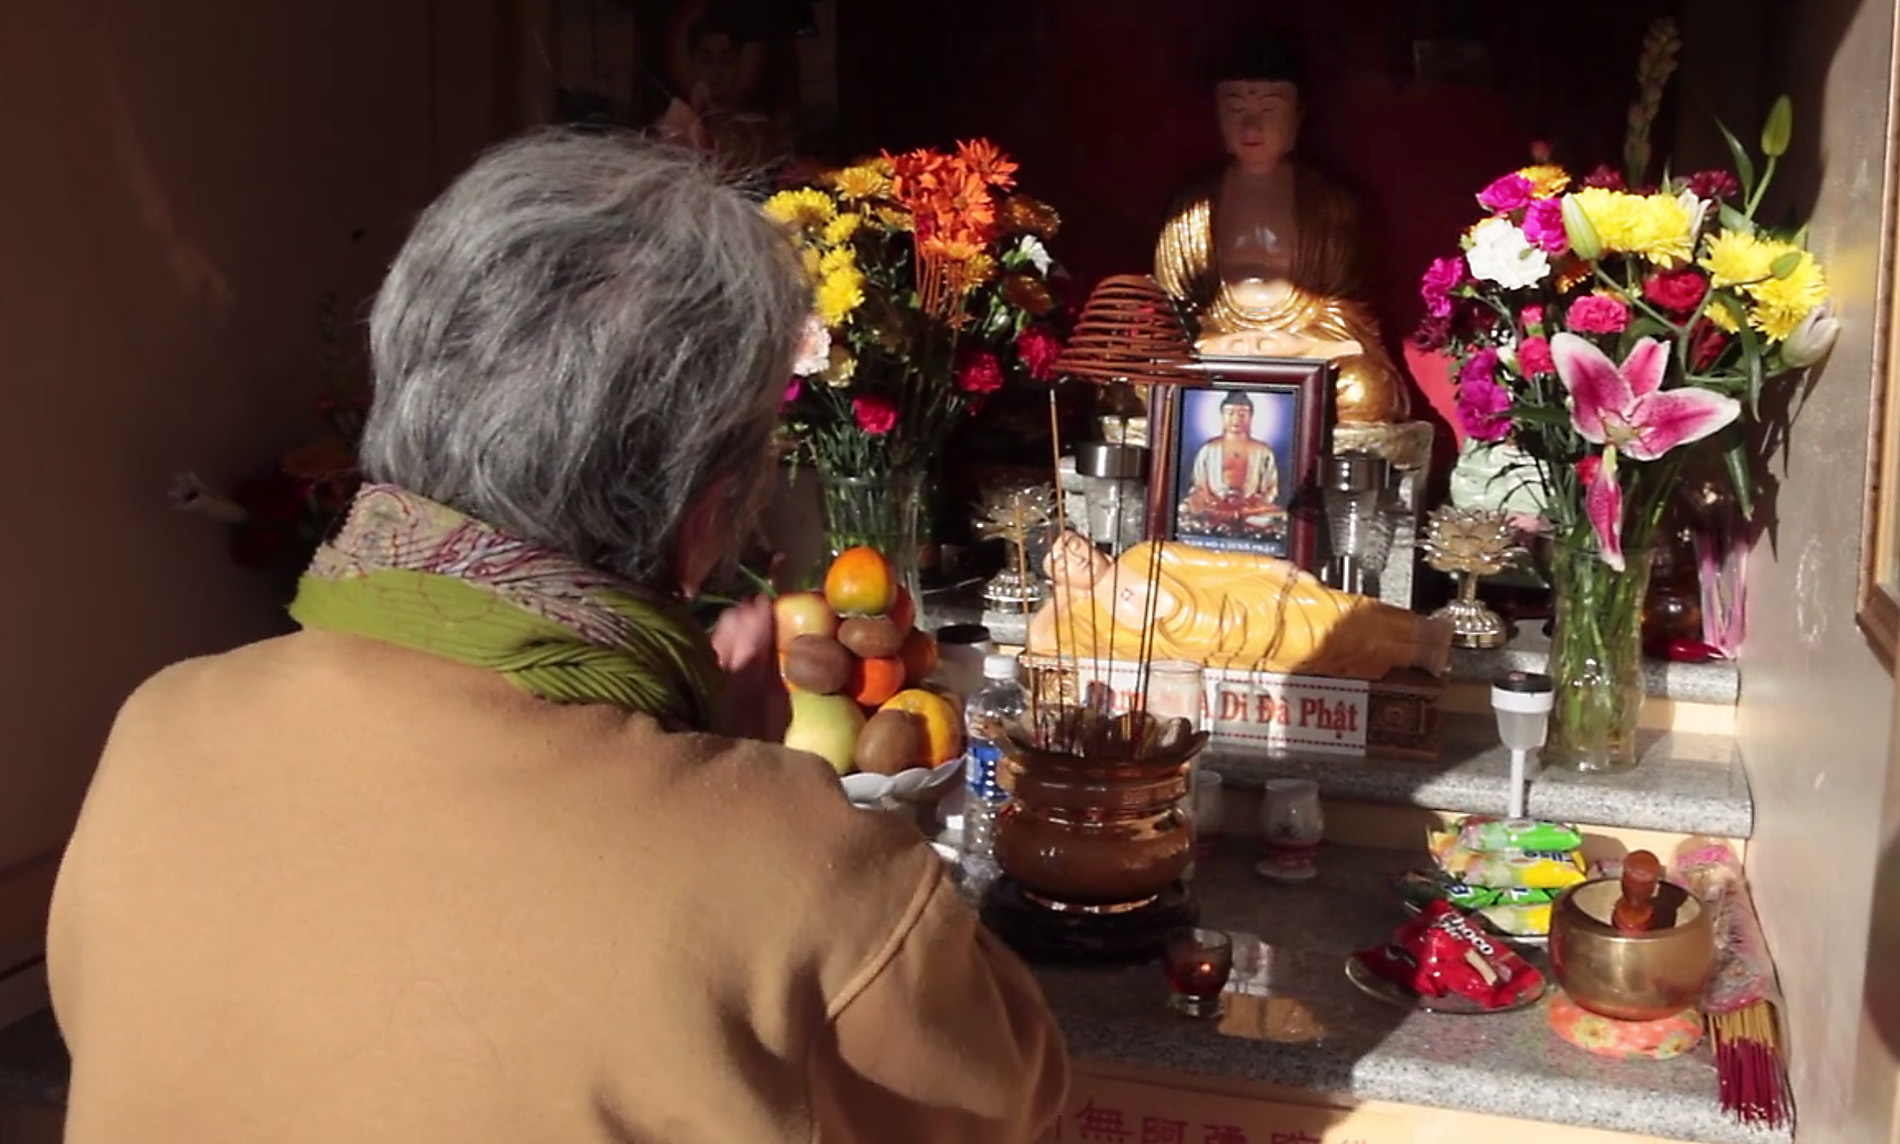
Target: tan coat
326	890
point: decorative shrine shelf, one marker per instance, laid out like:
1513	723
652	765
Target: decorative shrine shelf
1506	1065
1685	783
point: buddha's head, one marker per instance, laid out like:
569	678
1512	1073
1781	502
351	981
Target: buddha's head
1236	415
1257	91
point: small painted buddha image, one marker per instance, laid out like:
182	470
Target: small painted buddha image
1265	255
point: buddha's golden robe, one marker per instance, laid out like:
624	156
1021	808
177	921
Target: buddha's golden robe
1322	300
1236	610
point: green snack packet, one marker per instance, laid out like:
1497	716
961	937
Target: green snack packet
1495	834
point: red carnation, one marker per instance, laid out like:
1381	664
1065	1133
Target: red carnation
875	413
1678	291
1038	349
980	373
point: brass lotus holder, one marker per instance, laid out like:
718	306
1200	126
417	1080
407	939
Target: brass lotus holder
1469	544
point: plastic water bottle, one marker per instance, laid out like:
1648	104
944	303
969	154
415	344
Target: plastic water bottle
1001	701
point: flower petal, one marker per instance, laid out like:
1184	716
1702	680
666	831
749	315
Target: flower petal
1603	504
1662	421
1595	385
1643	370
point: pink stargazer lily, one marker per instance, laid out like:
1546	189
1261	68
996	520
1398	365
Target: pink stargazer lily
1626	405
1625	409
1603	504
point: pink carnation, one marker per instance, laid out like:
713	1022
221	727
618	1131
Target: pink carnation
1038	349
1442	277
1533	357
1531	317
1504	195
792	391
1483	405
1597	314
980	373
1544	226
875	413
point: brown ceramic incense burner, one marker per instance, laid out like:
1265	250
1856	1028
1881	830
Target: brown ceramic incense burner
1634	948
1093	825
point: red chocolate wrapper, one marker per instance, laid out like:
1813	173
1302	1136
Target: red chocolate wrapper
1441	952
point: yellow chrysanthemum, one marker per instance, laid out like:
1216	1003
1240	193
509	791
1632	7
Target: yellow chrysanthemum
1781	303
836	259
839	230
813	262
1655	227
981	269
1734	257
1720	315
838	295
804	207
893	219
1547	179
860	182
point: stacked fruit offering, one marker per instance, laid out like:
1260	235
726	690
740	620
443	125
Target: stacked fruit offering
854	665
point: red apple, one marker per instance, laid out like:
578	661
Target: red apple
802	614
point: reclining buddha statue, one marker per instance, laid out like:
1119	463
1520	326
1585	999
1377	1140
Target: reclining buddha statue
1236	610
1265	256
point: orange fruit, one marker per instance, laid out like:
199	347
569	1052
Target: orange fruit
860	582
943	720
875	680
919	654
903	610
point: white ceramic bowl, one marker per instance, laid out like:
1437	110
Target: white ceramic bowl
866	789
924	784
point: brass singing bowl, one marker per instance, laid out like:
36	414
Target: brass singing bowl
1631	976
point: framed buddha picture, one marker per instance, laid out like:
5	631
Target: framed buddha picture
1236	457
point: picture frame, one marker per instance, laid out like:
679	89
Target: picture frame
1211	498
1877	603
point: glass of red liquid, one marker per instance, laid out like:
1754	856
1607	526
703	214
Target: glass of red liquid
1198	962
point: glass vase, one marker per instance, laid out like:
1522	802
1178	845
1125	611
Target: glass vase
1596	659
884	513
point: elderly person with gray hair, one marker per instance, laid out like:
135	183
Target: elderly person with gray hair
462	859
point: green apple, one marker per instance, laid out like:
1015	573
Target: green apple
827	726
802	614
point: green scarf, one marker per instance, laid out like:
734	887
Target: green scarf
415	573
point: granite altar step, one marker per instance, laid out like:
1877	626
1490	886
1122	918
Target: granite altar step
1496	1065
1685	783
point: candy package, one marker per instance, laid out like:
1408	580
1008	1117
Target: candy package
1519	919
1421	886
1489	835
1440	953
1508	869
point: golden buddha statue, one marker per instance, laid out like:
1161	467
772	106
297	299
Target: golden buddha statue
1238	610
1265	256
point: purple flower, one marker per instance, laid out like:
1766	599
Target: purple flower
1544	226
1483	405
1597	314
1441	278
1506	194
792	390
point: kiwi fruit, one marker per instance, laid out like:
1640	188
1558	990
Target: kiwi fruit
892	741
873	637
818	664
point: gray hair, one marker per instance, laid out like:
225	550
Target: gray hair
581	338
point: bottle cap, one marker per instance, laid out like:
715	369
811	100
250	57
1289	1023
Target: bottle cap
1000	665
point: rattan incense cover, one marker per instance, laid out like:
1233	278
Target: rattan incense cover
1129	331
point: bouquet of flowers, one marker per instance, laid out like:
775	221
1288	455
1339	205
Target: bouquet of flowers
1605	328
934	289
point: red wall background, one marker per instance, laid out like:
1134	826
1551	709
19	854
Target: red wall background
1105	105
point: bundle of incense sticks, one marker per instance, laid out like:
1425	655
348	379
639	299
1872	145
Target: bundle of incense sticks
1741	995
1749	1065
